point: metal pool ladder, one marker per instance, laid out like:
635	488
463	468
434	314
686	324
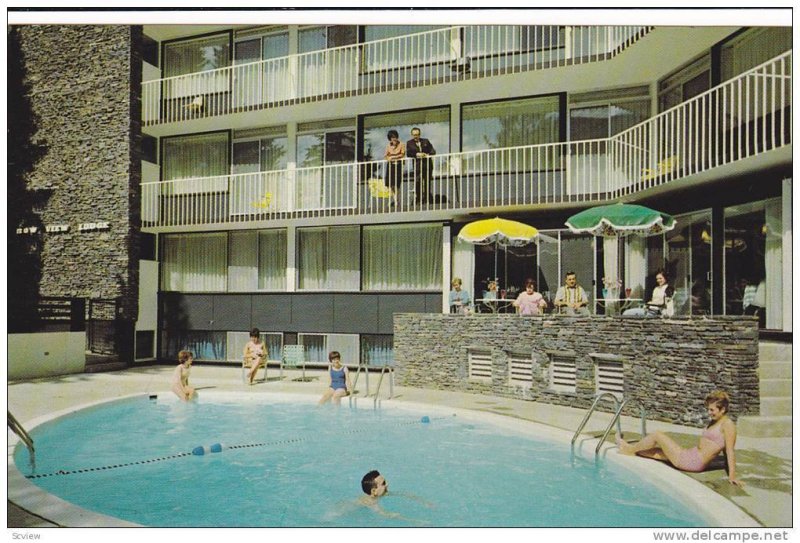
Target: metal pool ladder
619	405
17	428
385	369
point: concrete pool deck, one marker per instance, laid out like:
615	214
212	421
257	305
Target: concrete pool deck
764	464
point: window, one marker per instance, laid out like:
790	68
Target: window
402	257
317	347
753	47
196	55
328	258
145	344
686	83
237	340
434	124
510	123
194	262
395	47
326	37
377	350
487	40
604	114
205	345
260	150
329	145
382	32
193	157
257	260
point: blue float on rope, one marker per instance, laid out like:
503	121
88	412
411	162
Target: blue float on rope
200	450
426	419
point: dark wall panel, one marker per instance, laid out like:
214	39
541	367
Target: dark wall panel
196	311
232	312
312	312
355	313
390	304
271	312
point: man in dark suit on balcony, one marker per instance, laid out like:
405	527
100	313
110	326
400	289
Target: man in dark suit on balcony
421	150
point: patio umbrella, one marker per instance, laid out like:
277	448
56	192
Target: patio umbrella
500	232
617	220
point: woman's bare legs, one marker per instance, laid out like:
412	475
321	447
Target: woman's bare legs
326	397
653	444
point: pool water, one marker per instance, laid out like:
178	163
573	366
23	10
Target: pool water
305	466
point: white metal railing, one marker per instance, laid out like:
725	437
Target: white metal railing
438	56
745	116
740	118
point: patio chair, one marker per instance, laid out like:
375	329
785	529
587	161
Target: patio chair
196	104
378	189
246	368
294	356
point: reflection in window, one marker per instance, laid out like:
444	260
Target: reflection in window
201	155
753	47
402	257
510	123
334	147
688	262
204	345
328	258
198	55
377	350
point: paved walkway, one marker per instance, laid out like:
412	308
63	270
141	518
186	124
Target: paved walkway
764	464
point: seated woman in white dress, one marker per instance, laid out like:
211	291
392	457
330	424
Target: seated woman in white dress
660	302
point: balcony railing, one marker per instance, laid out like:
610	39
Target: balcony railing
415	60
743	117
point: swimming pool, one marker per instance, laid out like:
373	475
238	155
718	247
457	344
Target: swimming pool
288	463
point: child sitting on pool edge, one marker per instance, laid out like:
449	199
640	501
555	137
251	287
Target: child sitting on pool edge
180	377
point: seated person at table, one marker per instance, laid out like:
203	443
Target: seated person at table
530	302
459	298
660	302
491	292
571	299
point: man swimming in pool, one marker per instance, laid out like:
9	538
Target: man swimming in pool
375	487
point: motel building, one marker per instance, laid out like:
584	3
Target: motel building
232	177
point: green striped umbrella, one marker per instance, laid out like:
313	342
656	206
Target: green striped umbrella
617	220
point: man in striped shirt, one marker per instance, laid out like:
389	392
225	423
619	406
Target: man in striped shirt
571	298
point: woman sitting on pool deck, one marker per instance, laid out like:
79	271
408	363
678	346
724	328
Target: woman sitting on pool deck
719	435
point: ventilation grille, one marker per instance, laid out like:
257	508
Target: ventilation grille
609	377
562	373
520	371
480	366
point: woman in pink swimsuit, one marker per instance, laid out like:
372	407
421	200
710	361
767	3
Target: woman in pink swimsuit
719	435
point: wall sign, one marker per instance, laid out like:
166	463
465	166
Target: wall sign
56	228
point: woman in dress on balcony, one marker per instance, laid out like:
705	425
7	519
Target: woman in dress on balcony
719	435
394	155
530	302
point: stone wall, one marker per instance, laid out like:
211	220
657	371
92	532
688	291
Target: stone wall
668	366
84	89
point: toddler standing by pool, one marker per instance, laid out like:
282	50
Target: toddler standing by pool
180	377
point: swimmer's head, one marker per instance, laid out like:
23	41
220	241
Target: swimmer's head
374	484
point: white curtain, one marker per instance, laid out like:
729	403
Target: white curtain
347	345
242	261
194	262
272	260
407	257
329	258
636	266
464	266
773	263
611	266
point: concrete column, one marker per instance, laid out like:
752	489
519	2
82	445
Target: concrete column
291	259
786	216
446	256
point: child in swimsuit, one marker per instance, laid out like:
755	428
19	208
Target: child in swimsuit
180	377
718	436
340	380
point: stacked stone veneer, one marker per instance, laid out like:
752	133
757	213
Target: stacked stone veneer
84	85
668	365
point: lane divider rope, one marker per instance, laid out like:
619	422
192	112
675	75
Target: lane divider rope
423	420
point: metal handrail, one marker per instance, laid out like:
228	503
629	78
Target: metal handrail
591	410
17	428
384	370
619	424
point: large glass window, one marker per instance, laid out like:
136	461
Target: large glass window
377	350
510	123
329	145
326	37
603	114
754	262
407	257
753	47
257	260
263	151
684	84
196	157
433	123
194	262
687	256
329	258
197	55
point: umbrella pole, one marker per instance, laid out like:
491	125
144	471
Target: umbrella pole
495	263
